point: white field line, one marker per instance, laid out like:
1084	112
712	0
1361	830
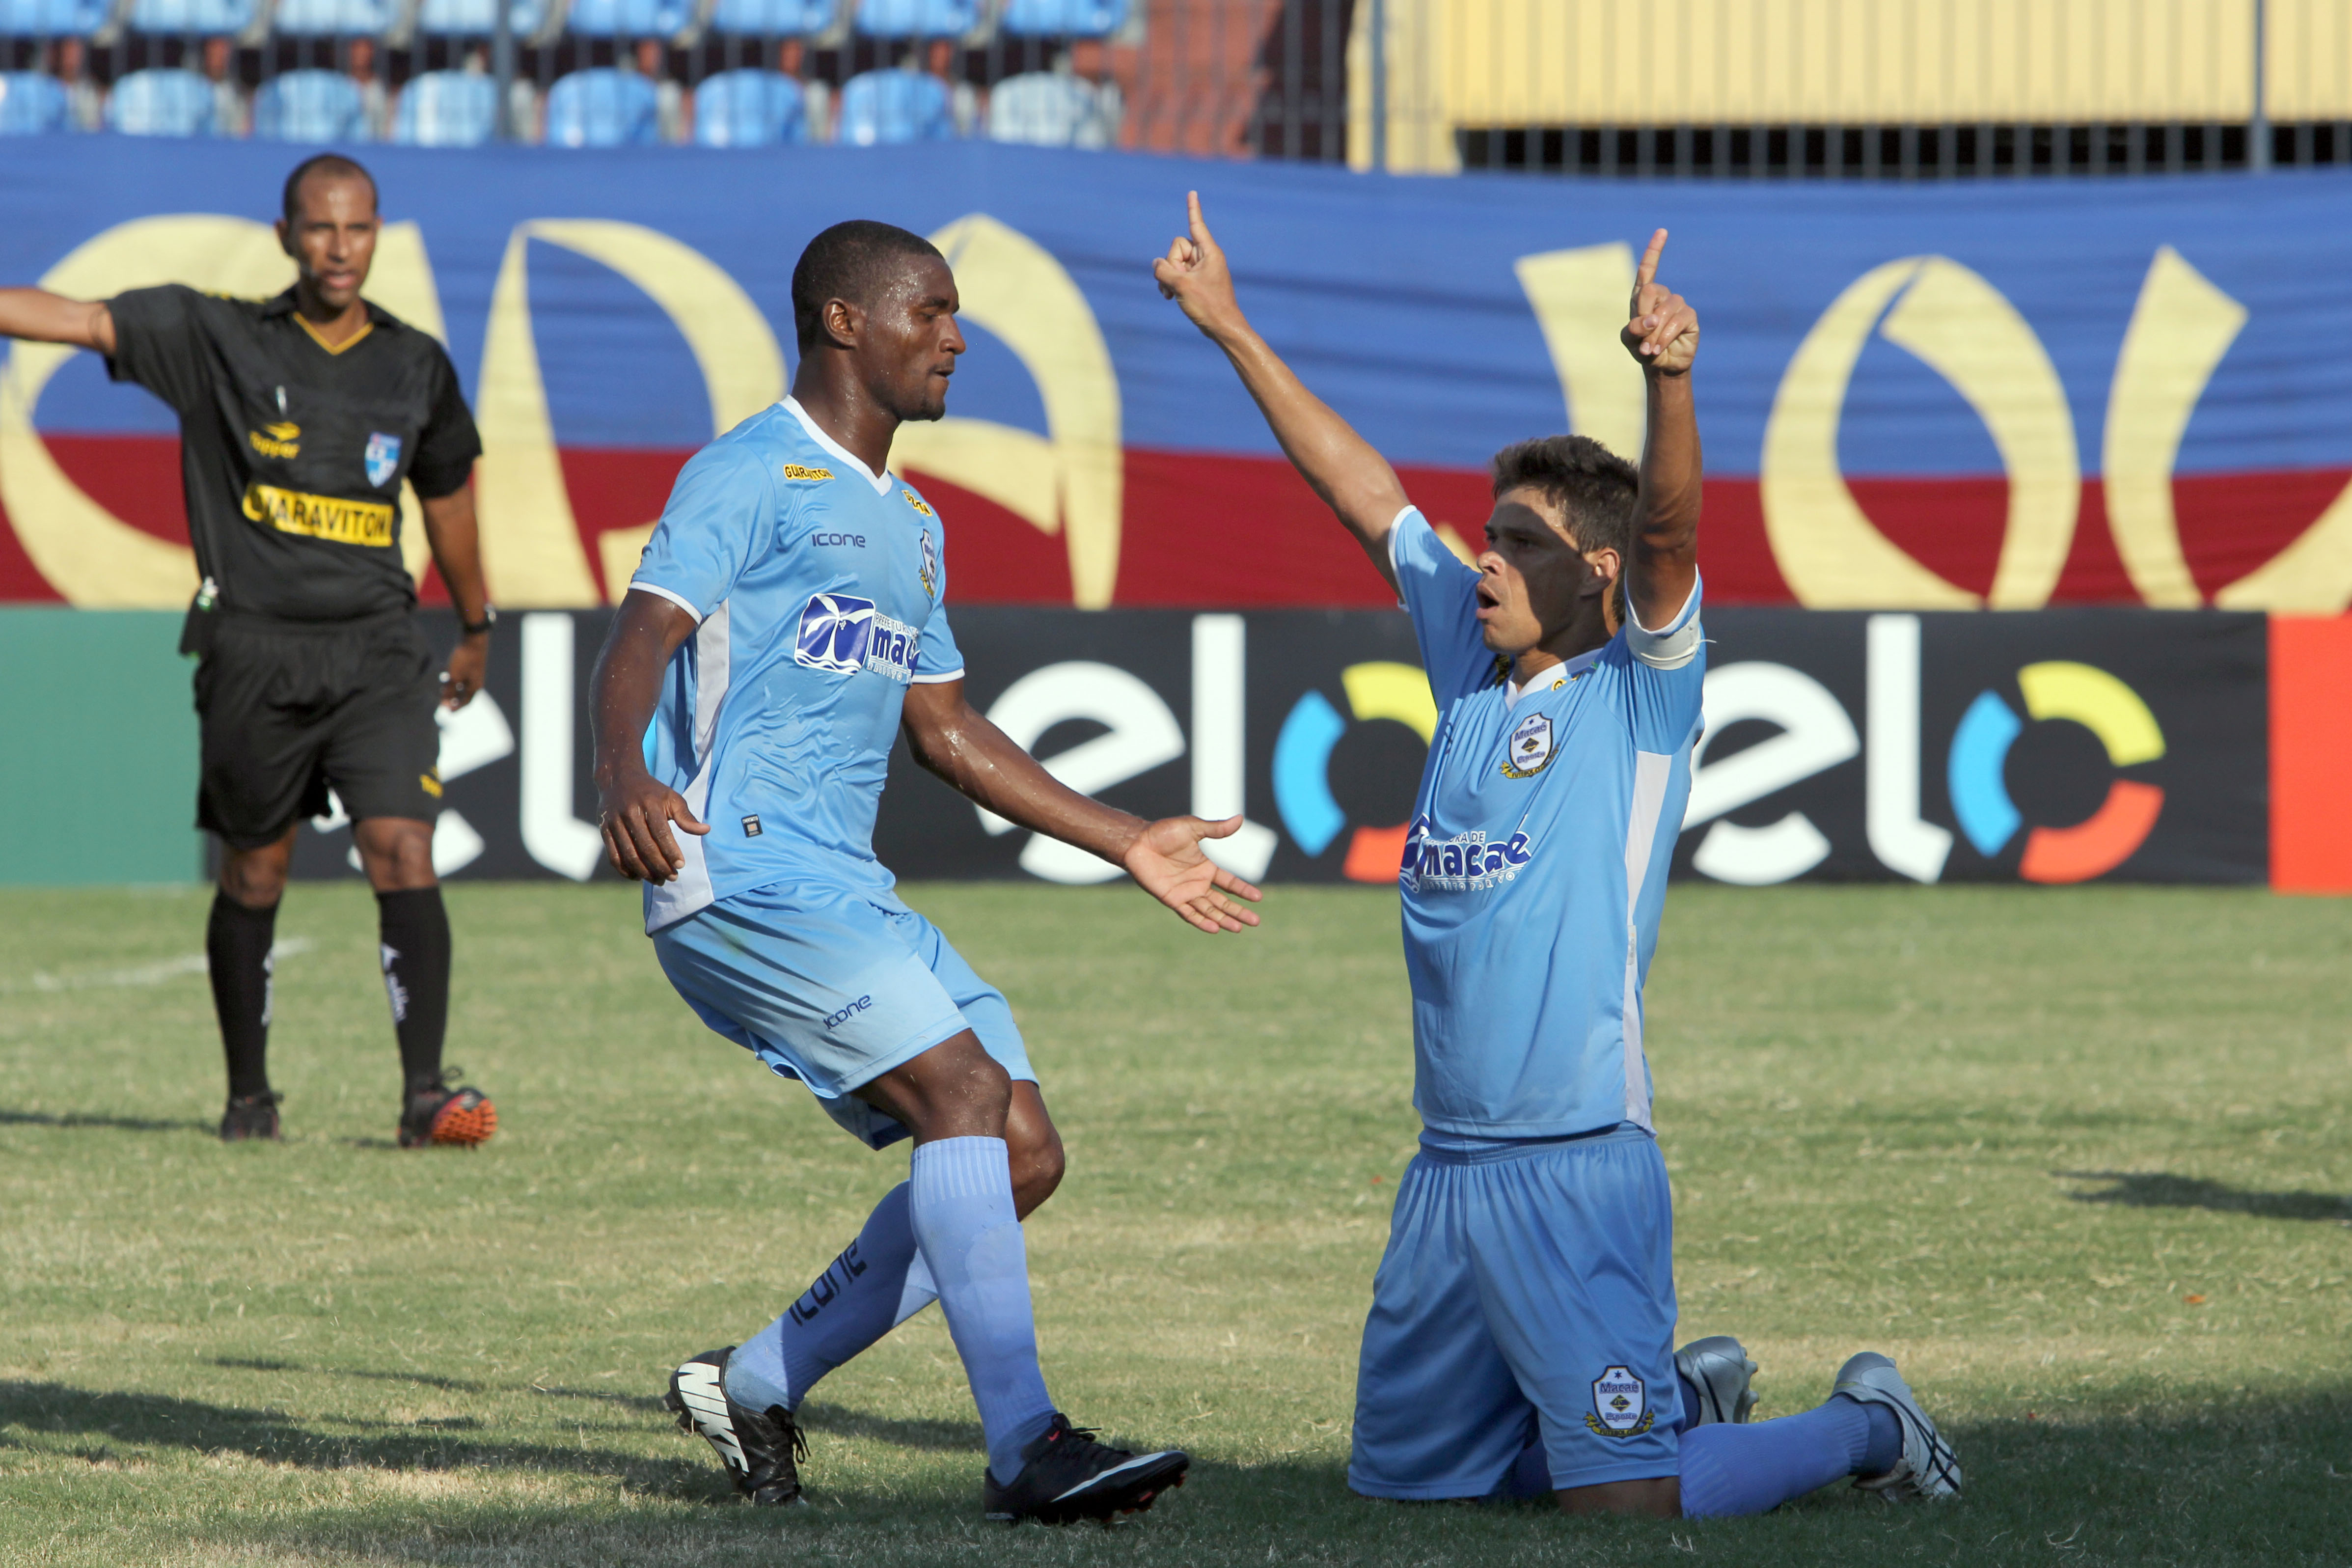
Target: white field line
138	975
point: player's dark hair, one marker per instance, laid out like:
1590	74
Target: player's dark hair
848	261
334	166
1594	489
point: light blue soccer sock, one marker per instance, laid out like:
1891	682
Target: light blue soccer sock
961	1206
1729	1471
878	1282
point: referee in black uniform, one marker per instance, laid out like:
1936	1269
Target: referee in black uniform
300	417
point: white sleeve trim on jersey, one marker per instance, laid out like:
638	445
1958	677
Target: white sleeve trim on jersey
1396	526
1672	648
940	680
638	584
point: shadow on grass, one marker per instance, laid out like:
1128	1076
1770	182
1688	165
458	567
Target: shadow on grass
71	1120
2159	1190
161	1421
956	1436
647	1403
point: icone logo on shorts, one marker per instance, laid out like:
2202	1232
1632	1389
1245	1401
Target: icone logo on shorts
1466	863
846	634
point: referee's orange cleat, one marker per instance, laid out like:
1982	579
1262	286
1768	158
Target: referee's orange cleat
448	1113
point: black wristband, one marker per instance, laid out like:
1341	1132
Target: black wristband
475	628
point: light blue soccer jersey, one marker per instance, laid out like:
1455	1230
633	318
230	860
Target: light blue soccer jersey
817	586
1535	869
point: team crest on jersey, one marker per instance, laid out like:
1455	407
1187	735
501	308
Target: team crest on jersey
846	634
1532	747
917	502
1621	1404
1466	863
930	567
383	458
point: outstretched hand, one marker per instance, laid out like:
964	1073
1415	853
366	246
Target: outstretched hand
1663	333
1194	273
1166	862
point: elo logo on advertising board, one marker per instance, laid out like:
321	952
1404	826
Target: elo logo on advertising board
1302	763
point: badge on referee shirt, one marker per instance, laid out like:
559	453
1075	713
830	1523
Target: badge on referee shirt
383	458
1531	748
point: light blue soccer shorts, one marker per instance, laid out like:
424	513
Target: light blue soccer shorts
826	985
1528	1290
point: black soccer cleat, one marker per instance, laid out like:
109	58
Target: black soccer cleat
1066	1475
447	1112
762	1450
251	1116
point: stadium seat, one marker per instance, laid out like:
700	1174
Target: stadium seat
603	107
881	108
478	19
772	18
627	19
160	103
32	103
447	109
1053	108
52	18
917	18
331	18
1062	18
211	18
749	108
310	106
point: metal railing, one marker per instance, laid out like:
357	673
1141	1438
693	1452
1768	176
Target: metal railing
1737	89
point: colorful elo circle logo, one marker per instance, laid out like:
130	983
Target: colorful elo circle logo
1302	762
2101	704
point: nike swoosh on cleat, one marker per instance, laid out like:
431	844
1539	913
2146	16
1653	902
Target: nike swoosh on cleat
1091	1482
698	1384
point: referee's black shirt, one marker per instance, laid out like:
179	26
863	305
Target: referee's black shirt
292	453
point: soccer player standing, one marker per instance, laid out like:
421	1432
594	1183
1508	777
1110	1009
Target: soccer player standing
299	418
787	620
1521	1336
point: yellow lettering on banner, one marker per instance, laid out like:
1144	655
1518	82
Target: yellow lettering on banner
2180	329
1581	299
531	542
1071	483
91	557
331	518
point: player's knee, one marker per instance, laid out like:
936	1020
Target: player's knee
253	878
396	854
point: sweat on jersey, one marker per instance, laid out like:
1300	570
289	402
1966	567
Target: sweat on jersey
1535	869
817	585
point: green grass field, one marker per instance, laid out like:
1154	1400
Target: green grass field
2079	1160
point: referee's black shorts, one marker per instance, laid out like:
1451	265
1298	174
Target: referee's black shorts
288	710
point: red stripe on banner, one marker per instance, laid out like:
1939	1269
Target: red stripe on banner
136	477
617	487
2232	523
21	581
2311	755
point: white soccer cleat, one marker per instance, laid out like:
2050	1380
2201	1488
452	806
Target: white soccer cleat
1719	1368
1928	1469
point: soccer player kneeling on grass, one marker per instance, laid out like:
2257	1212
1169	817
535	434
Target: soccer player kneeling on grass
1521	1336
785	623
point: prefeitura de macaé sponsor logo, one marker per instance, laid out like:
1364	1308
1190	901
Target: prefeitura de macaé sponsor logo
1466	863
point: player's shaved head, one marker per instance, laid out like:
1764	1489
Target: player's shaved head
850	261
323	166
1593	488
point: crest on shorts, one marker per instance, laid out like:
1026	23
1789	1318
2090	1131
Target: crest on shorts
1531	748
930	567
1621	1404
383	458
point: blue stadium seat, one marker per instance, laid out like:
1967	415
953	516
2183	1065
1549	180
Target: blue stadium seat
627	19
1048	109
52	18
447	109
749	108
881	108
772	18
32	103
478	19
1061	18
160	103
310	106
917	18
209	17
603	107
331	18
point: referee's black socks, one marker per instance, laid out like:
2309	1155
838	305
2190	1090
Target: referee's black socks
236	955
415	928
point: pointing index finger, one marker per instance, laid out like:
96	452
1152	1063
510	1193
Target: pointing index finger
1199	226
1649	268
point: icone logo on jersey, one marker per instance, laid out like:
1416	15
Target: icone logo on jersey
1466	863
846	634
